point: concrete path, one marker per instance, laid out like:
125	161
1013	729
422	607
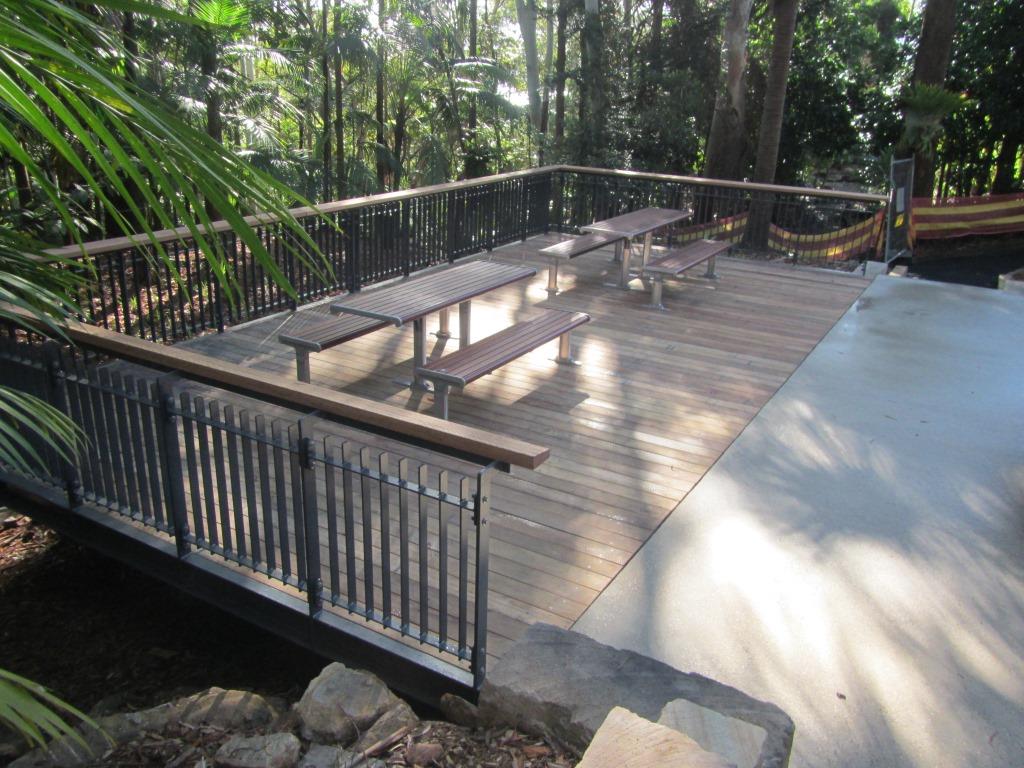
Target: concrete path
857	555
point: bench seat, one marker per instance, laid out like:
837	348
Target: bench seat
314	332
485	356
570	249
678	260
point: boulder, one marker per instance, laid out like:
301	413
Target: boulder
399	716
229	710
459	711
275	750
325	756
626	740
340	703
561	684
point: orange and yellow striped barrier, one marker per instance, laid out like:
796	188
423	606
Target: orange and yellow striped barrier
838	245
962	216
728	229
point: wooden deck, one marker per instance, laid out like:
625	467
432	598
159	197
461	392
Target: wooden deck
656	398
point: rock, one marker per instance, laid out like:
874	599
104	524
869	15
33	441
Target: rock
626	740
459	711
340	702
399	716
737	741
427	753
275	750
561	684
324	756
230	710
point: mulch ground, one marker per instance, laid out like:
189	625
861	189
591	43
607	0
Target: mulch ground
108	639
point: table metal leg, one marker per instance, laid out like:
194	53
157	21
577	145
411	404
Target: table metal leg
648	241
464	317
553	276
710	274
627	253
302	364
618	251
442	331
419	352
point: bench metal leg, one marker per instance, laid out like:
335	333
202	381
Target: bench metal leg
656	283
464	317
565	350
710	274
441	399
553	276
302	365
443	331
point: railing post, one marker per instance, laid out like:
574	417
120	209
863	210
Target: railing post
450	223
310	523
170	459
482	505
351	229
56	381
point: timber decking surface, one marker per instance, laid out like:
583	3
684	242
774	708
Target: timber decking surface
656	398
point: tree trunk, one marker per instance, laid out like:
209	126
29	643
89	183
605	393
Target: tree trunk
339	114
325	106
526	13
131	47
545	101
783	31
595	103
657	19
770	131
727	139
930	65
1006	164
562	17
214	123
382	168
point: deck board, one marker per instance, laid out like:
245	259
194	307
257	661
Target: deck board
656	398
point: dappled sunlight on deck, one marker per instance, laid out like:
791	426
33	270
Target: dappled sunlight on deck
653	401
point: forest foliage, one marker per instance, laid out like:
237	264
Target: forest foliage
345	98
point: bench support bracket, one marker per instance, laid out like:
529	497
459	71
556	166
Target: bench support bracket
441	399
565	350
656	285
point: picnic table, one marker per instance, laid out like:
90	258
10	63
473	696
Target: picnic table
646	222
412	300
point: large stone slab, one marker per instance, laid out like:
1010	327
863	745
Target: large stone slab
626	740
737	741
562	684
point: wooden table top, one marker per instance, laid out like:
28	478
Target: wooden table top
419	296
638	222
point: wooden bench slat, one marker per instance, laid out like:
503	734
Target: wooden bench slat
467	364
568	249
317	332
479	359
681	259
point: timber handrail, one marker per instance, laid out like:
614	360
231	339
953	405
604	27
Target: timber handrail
97	247
420	428
701	181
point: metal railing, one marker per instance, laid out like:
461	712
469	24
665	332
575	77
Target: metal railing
392	533
367	240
